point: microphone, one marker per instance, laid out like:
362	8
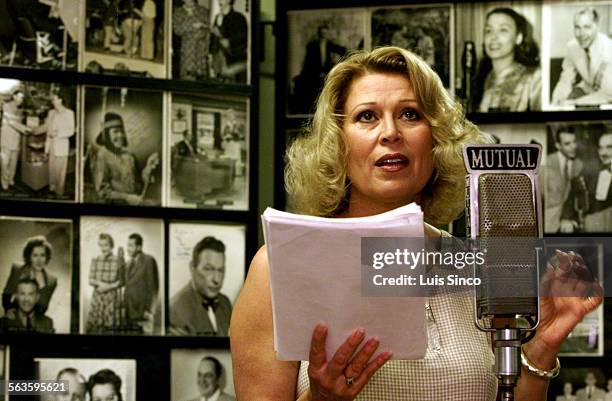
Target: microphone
581	200
504	221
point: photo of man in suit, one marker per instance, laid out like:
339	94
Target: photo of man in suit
562	166
587	65
209	373
25	318
590	392
11	130
589	204
141	286
199	308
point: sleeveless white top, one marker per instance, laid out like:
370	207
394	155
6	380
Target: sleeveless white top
458	365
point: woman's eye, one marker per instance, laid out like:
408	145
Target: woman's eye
411	114
365	116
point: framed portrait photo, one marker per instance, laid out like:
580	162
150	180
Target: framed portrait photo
209	152
578	55
122	275
40	34
427	30
125	37
205	273
578	198
123	146
89	378
317	40
38	140
188	366
498	56
37	273
211	40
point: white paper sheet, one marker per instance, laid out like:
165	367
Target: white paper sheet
315	275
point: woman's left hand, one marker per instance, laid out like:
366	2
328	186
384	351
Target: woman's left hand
569	293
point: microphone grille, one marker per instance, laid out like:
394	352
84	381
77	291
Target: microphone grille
506	206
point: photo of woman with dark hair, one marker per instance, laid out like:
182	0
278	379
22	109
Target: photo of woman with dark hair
104	385
37	254
508	76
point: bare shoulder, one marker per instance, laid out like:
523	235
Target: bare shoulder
257	373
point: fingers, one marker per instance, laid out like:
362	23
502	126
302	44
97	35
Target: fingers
345	351
317	356
360	361
371	368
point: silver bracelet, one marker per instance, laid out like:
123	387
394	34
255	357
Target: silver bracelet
549	374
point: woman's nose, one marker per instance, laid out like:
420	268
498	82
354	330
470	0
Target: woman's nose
390	132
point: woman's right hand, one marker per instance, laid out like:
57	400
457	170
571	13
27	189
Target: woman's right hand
345	375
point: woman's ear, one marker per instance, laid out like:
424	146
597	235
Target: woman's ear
519	39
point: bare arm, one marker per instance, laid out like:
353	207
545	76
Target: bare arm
257	373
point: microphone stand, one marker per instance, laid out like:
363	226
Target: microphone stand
507	342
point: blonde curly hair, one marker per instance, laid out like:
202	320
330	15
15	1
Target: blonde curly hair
316	178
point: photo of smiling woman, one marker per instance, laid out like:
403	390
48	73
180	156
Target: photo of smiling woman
508	75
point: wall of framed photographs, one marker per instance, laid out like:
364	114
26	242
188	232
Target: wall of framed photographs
520	71
128	199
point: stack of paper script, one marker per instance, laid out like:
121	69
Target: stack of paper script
315	275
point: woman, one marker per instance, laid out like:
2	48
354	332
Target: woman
36	257
104	385
509	77
192	23
567	393
106	276
59	127
389	103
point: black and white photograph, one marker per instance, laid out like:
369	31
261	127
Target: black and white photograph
122	149
210	40
101	379
587	338
125	37
201	374
39	33
205	274
578	198
317	40
37	275
578	54
209	152
38	140
122	275
581	384
498	56
427	31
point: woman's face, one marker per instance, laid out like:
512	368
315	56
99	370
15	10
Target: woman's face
501	36
103	392
389	142
105	246
38	258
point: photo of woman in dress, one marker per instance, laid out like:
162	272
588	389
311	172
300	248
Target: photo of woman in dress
508	76
107	276
36	257
191	22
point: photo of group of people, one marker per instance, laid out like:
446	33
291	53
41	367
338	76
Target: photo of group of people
184	39
89	379
120	276
113	146
575	172
38	123
494	57
209	152
39	34
581	384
